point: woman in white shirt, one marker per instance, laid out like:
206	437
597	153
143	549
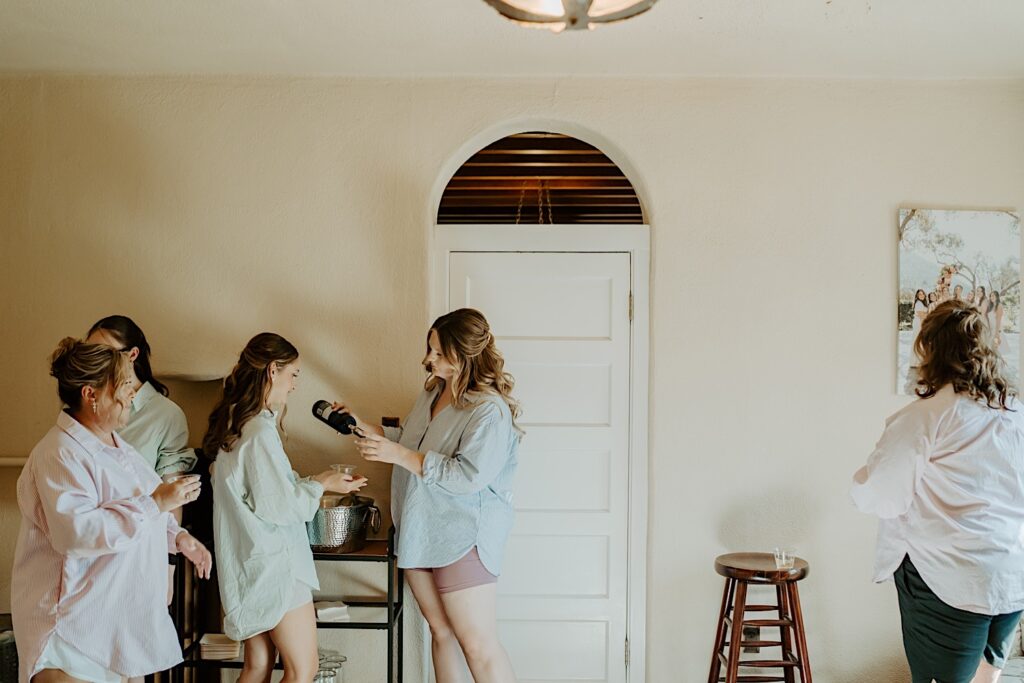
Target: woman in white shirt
260	509
156	425
86	595
947	482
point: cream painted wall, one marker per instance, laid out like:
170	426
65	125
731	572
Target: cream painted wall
213	209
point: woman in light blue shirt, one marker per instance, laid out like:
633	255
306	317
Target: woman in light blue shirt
260	509
451	492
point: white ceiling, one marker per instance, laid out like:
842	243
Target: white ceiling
926	39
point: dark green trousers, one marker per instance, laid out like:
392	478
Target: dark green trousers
945	643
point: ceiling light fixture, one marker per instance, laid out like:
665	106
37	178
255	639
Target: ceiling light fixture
559	15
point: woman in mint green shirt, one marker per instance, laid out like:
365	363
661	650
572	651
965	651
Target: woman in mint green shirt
156	425
451	493
260	509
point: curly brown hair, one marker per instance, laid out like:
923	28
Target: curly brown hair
956	347
245	390
467	343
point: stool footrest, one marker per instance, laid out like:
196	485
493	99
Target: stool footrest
761	608
757	679
759	643
761	622
768	622
789	661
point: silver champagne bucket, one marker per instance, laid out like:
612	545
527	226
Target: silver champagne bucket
341	522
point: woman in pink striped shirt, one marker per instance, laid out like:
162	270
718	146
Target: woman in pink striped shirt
87	586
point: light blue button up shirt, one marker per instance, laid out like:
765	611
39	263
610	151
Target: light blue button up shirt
464	498
260	510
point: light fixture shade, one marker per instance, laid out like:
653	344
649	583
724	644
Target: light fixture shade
559	15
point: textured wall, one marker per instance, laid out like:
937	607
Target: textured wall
213	209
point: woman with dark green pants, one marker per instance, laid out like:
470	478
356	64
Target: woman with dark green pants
947	482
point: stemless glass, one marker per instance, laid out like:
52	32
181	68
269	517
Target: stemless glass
784	558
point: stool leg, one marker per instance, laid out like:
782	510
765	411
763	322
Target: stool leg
736	636
799	633
716	664
787	642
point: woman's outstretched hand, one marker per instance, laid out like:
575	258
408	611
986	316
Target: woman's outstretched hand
340	483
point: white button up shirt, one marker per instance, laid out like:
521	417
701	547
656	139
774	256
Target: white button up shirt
947	481
260	510
158	431
92	555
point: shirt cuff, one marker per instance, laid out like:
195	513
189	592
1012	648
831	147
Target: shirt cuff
313	486
148	506
433	466
173	529
392	433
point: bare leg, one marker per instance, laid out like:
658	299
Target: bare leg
295	639
473	613
170	586
260	656
54	676
444	648
986	673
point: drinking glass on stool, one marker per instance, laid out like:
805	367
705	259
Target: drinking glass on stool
784	558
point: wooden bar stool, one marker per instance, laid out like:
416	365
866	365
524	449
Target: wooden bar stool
741	570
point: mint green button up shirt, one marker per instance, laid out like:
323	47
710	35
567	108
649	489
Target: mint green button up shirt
158	431
260	510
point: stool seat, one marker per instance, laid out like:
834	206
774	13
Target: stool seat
759	568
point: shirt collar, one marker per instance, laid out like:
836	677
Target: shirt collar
143	396
77	431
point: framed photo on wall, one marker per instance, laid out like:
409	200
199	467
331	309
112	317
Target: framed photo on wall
969	255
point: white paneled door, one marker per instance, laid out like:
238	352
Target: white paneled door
562	321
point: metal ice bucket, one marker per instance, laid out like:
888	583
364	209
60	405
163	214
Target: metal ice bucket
341	522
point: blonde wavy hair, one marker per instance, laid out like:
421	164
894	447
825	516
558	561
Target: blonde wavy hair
76	364
468	344
955	346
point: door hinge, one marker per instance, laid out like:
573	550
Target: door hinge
631	307
627	653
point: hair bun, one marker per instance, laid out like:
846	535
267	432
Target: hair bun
65	347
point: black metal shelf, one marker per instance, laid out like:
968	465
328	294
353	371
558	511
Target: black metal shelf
381	551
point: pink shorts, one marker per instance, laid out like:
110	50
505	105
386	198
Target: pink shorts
467	572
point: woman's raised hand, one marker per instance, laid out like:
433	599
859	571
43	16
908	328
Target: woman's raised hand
174	494
377	448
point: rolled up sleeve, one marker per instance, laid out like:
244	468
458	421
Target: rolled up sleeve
174	455
483	452
885	486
